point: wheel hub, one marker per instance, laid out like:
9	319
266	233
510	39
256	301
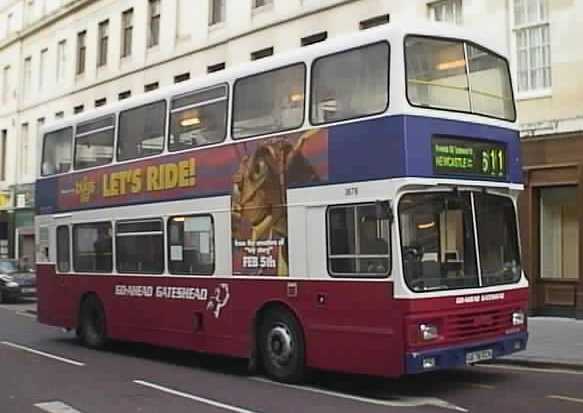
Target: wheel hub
280	345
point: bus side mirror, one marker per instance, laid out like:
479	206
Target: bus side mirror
384	210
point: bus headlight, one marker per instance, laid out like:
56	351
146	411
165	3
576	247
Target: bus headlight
518	318
428	332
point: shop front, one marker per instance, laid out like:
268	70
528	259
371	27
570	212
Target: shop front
24	245
551	210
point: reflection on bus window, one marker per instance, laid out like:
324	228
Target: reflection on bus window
453	75
57	152
358	241
437	239
350	84
436	74
498	240
139	247
94	143
141	131
491	89
191	245
198	119
63	249
269	102
92	247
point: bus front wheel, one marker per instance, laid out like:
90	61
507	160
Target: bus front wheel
92	326
281	346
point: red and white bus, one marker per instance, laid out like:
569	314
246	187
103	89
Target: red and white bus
348	206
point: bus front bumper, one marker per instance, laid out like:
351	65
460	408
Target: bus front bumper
463	355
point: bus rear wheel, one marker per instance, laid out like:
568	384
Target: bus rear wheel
92	325
281	346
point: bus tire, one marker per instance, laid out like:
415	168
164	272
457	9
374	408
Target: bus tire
92	324
282	346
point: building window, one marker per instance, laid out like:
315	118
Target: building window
374	21
78	109
140	246
151	86
24	149
191	249
141	131
61	60
127	21
261	3
92	247
449	11
154	26
100	102
181	78
27	76
533	45
5	84
260	54
81	51
559	233
314	38
358	241
42	67
63	249
94	143
216	11
103	38
9	24
59	115
3	141
215	68
124	95
269	102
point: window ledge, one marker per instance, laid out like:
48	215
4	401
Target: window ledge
262	9
216	26
534	94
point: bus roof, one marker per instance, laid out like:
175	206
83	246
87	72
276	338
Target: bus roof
392	32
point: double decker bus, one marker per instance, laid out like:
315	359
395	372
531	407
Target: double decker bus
347	206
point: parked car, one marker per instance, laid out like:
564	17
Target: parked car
15	282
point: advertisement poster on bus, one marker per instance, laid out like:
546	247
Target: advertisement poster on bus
259	209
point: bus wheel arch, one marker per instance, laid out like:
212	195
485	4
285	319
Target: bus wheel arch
92	321
279	342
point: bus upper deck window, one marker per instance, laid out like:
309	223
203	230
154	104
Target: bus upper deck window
269	102
57	152
94	142
141	131
350	84
198	119
458	76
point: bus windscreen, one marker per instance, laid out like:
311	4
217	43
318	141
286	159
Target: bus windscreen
438	240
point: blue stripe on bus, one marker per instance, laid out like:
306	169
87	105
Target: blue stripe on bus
387	147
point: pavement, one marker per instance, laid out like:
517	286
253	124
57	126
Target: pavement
553	342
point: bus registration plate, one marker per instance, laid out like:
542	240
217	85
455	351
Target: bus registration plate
481	355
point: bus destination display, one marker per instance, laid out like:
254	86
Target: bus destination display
469	158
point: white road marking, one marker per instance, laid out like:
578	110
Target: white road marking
29	315
566	398
56	407
199	399
532	369
403	401
42	353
